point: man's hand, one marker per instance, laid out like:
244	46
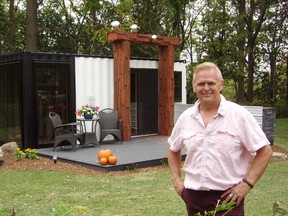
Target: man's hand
236	193
178	185
174	162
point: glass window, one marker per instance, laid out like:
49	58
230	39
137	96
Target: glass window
51	81
10	106
177	86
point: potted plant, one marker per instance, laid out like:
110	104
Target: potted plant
87	111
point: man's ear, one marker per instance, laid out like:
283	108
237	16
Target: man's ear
222	85
194	90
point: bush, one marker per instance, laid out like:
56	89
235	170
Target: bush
281	109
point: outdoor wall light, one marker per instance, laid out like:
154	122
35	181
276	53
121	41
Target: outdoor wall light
134	28
55	158
115	24
154	38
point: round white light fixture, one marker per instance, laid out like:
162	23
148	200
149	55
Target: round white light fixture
134	28
154	37
115	24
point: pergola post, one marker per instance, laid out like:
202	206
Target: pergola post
122	84
121	47
166	89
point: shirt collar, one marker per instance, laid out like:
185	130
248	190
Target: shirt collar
221	110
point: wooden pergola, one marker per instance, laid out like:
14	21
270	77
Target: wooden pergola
121	47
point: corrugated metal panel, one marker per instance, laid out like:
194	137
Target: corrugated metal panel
94	78
145	64
256	111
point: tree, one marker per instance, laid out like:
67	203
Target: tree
11	27
240	41
31	26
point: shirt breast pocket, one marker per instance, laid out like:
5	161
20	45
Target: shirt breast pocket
191	141
225	141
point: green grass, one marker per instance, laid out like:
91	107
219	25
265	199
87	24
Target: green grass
148	193
38	192
281	133
271	187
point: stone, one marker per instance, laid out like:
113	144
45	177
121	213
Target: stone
279	155
9	148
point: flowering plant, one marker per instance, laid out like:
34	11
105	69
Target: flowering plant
87	109
27	153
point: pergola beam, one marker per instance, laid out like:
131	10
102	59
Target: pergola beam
117	35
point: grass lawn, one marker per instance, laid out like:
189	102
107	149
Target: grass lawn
281	133
147	193
143	193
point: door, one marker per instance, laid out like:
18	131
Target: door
51	82
144	101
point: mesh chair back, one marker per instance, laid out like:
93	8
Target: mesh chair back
55	118
109	118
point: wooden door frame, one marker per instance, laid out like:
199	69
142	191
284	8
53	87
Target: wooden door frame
121	48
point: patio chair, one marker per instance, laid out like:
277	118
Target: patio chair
66	132
109	124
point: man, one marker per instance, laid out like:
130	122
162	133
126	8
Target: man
219	137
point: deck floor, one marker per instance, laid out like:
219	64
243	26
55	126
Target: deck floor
140	152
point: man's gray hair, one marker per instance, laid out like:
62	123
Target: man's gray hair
205	66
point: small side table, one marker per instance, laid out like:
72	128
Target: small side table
90	137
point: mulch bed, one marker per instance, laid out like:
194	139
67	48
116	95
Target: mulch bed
9	162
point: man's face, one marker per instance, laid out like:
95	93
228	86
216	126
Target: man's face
207	85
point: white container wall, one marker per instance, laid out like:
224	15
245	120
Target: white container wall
95	78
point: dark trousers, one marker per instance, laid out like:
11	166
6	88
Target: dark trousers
200	201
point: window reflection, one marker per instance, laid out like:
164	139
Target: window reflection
51	82
10	105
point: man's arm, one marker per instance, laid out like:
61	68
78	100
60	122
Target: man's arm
174	161
259	164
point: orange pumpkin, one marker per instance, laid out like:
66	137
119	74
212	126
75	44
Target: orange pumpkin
104	153
103	161
112	160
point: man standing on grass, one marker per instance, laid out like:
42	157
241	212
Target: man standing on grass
219	136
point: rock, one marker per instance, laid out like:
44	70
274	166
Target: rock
280	155
9	148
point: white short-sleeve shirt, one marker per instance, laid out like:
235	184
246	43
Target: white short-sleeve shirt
218	156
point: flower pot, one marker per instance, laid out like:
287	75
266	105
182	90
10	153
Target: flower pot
88	116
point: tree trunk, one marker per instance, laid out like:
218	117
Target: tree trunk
240	95
1	49
11	27
31	26
286	79
272	86
251	71
253	31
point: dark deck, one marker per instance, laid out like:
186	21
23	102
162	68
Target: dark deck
140	152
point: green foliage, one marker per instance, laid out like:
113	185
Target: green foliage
281	109
132	166
31	153
61	210
27	153
281	135
220	207
65	210
164	162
